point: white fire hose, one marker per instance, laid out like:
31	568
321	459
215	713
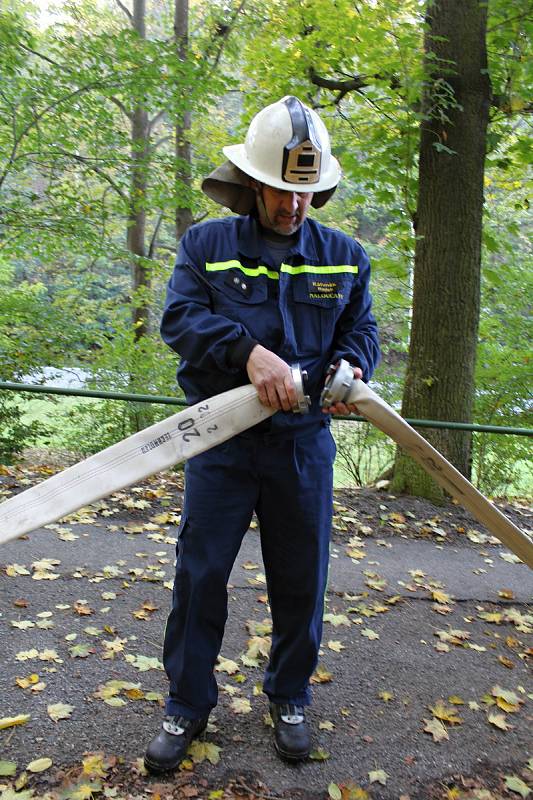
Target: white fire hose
213	421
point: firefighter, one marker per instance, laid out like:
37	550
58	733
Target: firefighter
250	295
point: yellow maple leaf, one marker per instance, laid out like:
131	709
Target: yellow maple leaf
444	713
84	790
436	729
240	705
441	597
321	675
227	665
199	751
93	764
499	721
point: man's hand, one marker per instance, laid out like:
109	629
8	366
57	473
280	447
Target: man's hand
345	408
272	378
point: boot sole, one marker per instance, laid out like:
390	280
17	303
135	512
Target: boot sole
292	757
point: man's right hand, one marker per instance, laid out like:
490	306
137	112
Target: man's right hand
272	378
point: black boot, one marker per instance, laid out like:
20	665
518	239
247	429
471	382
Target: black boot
291	732
166	750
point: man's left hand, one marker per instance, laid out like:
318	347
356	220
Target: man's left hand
343	409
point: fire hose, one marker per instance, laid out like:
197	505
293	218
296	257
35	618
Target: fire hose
215	420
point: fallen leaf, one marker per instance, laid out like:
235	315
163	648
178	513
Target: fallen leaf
335	645
25	683
436	729
321	675
199	751
93	765
334	792
7	768
143	663
511	558
39	765
369	634
499	721
505	699
80	650
444	713
57	711
83	790
378	776
10	722
227	665
319	755
516	784
336	619
441	597
240	705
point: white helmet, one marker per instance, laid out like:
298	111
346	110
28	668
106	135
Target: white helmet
287	146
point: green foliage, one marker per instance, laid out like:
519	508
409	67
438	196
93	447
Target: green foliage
504	373
15	433
363	452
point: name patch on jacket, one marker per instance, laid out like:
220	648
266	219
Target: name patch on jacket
325	290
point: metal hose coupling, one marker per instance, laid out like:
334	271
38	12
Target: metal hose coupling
339	383
299	377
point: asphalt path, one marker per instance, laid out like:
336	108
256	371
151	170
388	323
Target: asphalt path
408	622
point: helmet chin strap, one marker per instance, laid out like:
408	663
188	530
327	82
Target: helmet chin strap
263	214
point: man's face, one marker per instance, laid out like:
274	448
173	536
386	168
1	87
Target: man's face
280	210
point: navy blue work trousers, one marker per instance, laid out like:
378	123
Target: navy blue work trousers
289	484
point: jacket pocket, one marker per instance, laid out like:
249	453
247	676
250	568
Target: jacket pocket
317	303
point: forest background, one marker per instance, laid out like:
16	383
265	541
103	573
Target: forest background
111	114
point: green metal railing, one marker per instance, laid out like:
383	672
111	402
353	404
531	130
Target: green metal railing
175	401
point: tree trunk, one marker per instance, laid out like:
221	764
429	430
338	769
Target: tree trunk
446	292
137	213
183	217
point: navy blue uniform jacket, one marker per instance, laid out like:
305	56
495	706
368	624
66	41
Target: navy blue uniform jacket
314	310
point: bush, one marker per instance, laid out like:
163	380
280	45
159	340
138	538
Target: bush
16	435
363	452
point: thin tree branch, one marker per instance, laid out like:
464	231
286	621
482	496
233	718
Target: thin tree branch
41	55
122	107
97	170
153	122
153	241
125	10
354	84
35	122
159	142
526	16
224	35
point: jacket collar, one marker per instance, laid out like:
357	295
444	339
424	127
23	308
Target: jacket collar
250	244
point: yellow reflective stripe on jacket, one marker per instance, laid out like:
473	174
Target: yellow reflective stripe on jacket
253	272
314	270
336	269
